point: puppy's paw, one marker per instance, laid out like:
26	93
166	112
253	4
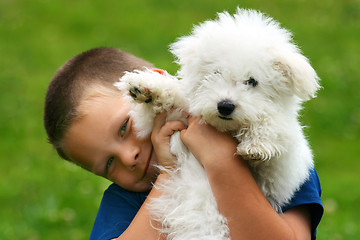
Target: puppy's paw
253	153
141	86
252	156
141	94
158	91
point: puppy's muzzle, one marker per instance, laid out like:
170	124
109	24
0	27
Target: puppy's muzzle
225	108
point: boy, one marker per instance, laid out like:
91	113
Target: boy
87	122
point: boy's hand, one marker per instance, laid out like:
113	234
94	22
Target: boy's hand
160	138
208	145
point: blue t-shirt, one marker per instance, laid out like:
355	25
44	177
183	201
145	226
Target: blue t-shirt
118	208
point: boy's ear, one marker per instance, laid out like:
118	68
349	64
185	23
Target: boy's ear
303	79
161	71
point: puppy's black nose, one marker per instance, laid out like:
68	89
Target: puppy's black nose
225	108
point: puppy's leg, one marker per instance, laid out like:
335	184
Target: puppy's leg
160	91
259	143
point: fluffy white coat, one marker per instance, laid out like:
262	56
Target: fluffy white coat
244	75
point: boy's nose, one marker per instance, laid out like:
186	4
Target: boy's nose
129	157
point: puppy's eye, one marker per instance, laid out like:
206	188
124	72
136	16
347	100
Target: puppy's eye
251	81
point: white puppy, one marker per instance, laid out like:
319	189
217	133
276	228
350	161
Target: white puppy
244	75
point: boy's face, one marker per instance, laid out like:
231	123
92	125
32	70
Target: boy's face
104	141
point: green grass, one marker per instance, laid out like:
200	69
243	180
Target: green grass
43	197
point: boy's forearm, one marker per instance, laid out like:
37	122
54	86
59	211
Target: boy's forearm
240	200
142	227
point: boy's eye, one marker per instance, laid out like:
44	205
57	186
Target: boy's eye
109	162
123	128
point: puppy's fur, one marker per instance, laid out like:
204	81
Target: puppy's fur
244	75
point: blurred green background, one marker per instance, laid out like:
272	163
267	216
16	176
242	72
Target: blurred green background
43	197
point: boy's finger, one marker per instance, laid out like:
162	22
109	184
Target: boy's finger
170	127
192	119
159	121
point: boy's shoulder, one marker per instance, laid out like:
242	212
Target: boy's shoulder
117	209
115	193
309	194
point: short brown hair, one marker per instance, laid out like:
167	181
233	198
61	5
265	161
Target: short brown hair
100	66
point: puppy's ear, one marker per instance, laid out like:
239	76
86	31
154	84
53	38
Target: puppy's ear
303	79
186	51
